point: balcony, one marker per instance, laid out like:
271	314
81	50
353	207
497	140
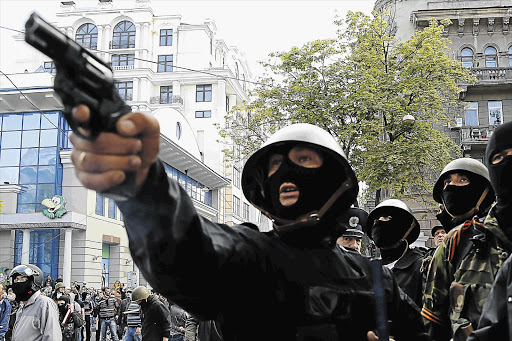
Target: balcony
477	135
174	101
493	75
123	67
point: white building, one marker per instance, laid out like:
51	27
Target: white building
180	73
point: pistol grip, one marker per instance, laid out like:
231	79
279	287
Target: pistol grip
124	191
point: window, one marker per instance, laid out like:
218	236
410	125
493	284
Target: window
495	112
165	63
87	36
227	104
166	37
125	90
43	250
204	93
204	114
100	204
491	57
510	56
236	205
123	59
124	35
112	209
178	130
246	211
236	177
165	94
49	67
472	114
105	264
466	57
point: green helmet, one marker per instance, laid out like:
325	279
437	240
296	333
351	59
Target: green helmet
59	285
467	165
140	293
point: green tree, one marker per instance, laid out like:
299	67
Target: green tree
359	87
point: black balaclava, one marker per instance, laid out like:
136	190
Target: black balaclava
23	290
446	220
388	235
315	185
501	175
63	308
460	200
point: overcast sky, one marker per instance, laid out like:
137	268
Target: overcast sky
257	28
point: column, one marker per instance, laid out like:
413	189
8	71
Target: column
25	247
221	96
145	44
107	35
232	101
66	266
100	41
135	90
176	88
138	47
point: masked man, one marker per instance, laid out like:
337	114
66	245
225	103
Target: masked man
295	278
393	229
466	262
37	317
496	320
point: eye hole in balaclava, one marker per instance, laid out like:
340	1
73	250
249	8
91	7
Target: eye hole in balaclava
388	233
459	200
315	185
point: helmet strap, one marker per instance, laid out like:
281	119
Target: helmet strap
471	212
313	217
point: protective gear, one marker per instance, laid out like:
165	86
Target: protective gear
402	226
24	290
60	285
501	174
458	201
63	307
336	193
446	220
140	293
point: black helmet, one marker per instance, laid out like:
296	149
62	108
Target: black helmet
255	172
32	272
396	208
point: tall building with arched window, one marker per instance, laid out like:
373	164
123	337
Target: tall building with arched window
183	74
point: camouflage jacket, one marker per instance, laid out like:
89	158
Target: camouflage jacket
460	277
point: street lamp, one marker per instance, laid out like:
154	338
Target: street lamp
408	119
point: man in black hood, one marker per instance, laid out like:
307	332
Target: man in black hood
467	261
293	283
496	320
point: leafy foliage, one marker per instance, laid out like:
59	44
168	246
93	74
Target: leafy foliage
359	87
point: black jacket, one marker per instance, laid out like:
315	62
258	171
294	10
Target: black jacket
257	286
496	319
408	275
155	320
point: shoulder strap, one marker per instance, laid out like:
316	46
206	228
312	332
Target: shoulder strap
457	251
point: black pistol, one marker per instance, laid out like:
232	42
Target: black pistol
82	78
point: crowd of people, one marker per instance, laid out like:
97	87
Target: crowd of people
82	313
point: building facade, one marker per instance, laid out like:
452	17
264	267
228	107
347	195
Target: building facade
180	73
481	40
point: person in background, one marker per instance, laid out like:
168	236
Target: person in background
49	281
88	308
354	223
155	317
132	321
5	312
37	318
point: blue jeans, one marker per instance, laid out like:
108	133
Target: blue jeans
176	338
131	336
111	323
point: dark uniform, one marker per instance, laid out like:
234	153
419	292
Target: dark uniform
393	237
291	284
465	264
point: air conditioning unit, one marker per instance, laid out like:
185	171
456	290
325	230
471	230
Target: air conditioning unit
458	123
475	133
